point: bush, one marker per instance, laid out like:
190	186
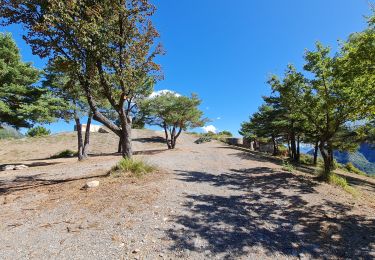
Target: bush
351	168
306	159
336	180
38	131
64	154
287	166
282	151
226	133
203	139
135	167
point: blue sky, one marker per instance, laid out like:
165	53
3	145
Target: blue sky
225	50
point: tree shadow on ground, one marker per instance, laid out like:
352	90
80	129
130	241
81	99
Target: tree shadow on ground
253	155
153	139
309	169
267	210
21	183
355	181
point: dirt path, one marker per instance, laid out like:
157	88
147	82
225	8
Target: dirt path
208	201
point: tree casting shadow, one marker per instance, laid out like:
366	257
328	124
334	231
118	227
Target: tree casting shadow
268	211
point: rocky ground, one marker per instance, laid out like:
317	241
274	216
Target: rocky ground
204	201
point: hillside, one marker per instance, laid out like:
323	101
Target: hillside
205	201
363	159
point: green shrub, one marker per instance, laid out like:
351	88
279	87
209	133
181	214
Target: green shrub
287	166
135	167
226	133
306	159
282	151
64	154
351	168
336	164
203	139
336	180
38	131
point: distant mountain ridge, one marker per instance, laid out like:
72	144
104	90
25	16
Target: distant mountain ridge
363	159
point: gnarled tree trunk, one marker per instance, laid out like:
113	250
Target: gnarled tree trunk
275	146
79	138
87	138
326	154
298	155
83	145
316	149
126	137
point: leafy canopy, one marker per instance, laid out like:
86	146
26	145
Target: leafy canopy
22	103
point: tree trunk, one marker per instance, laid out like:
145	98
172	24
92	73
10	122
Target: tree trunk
298	156
275	147
289	150
293	146
119	148
174	138
327	161
167	136
79	138
316	152
330	154
126	140
87	138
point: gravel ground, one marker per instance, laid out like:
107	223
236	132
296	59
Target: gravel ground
206	201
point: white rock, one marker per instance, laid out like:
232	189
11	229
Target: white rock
7	167
91	184
20	167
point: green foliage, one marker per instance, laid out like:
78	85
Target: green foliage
282	150
64	154
317	105
339	181
306	159
38	131
21	102
134	167
173	113
287	166
225	133
351	168
109	46
203	139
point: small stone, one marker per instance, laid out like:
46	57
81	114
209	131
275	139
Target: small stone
136	251
165	219
91	184
294	245
7	167
20	167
